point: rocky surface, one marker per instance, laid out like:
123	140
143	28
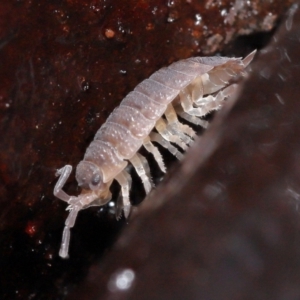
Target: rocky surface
63	68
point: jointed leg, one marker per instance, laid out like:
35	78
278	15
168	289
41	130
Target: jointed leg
192	119
213	103
188	105
182	130
162	129
142	168
124	179
205	104
157	155
160	140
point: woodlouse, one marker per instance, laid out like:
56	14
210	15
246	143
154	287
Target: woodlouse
190	88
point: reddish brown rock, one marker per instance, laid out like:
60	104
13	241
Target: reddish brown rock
63	68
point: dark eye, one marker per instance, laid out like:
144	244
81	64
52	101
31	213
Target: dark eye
96	180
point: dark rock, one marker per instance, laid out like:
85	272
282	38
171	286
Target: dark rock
63	68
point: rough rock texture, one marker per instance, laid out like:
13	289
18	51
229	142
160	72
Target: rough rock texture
64	66
225	224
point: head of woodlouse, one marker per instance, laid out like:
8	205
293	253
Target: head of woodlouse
89	176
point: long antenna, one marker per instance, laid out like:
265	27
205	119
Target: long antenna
70	221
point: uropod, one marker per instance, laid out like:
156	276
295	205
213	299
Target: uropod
190	88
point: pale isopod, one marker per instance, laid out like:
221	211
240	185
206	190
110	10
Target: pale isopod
190	88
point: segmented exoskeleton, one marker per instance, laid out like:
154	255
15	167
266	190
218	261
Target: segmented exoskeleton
190	88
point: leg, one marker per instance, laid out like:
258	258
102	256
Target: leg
214	103
206	104
157	155
142	168
161	127
63	174
160	140
192	119
183	131
124	180
188	105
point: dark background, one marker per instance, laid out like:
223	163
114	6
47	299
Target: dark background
223	224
